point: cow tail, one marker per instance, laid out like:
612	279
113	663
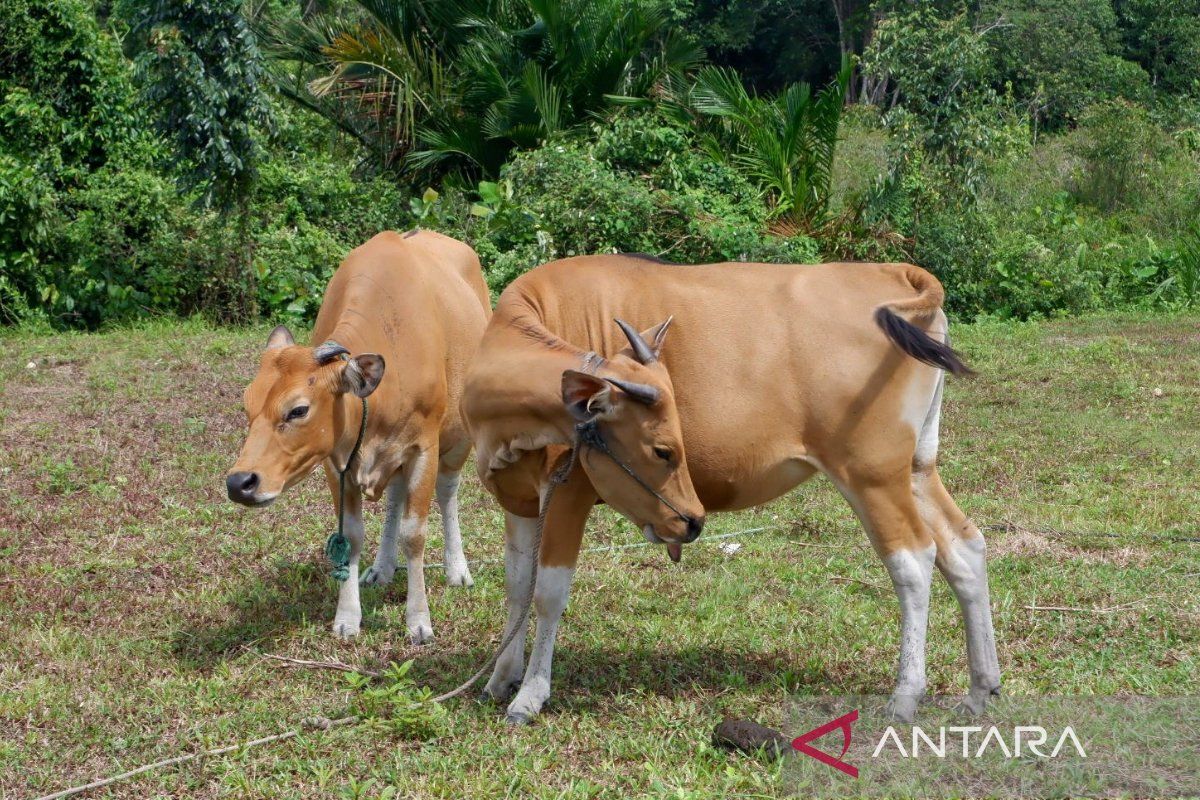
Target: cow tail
912	339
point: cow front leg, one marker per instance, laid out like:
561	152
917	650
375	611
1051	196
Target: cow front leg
384	569
565	520
421	475
519	558
348	619
550	600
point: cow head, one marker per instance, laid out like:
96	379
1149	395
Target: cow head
297	413
633	407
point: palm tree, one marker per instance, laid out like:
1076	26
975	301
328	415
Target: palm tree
785	144
439	85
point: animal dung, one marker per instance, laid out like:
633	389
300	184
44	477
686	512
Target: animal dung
750	737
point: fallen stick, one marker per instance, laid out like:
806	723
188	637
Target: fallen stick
1105	610
334	665
314	723
841	579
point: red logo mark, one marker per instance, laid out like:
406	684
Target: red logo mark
801	743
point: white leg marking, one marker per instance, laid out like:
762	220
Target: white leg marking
411	533
347	621
384	568
965	568
550	599
912	572
416	610
927	436
457	573
519	557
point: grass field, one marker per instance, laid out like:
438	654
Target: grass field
137	603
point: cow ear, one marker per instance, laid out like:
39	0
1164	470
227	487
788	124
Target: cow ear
657	335
586	396
362	374
280	337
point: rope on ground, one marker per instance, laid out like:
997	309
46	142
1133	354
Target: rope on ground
608	547
312	723
1008	526
323	723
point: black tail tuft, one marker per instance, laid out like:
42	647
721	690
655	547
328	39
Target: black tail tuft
918	344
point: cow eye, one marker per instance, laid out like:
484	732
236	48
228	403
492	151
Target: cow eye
299	412
664	453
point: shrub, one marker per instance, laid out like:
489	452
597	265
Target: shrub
1118	148
640	186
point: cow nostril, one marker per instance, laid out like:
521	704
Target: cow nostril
241	485
694	526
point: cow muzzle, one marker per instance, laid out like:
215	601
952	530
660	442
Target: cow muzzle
242	488
694	525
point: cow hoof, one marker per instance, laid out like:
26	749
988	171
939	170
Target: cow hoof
499	694
902	708
376	576
346	629
459	577
975	701
421	633
517	718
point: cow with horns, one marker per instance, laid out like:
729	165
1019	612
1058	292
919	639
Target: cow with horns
416	304
773	373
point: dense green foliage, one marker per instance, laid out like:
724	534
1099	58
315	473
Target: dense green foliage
461	83
203	74
1032	178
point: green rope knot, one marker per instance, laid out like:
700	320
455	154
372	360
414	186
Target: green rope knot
337	546
337	550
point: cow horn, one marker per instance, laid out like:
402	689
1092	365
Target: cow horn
641	350
646	395
329	351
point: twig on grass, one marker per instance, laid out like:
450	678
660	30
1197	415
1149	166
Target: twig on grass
312	723
334	665
1104	610
1008	526
868	584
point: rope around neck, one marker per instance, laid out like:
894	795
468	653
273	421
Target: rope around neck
337	546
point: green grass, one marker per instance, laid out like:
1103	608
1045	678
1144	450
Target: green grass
136	602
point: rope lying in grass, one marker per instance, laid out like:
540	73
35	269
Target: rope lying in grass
313	723
1008	526
323	723
607	547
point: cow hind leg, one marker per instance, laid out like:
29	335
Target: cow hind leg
457	572
889	514
961	558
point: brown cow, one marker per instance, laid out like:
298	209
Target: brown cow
773	373
418	304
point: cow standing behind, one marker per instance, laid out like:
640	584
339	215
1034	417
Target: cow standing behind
399	323
773	372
